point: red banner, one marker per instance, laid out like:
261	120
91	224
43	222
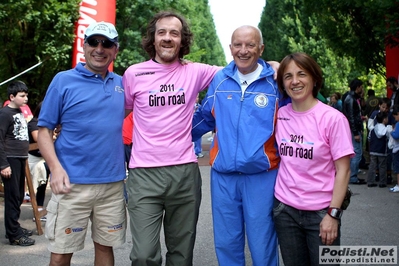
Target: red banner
392	64
91	11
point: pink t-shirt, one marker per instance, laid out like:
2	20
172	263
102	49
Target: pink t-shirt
309	143
162	99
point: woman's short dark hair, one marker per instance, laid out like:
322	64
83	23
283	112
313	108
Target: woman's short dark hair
186	35
305	62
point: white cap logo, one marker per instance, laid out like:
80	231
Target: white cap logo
104	29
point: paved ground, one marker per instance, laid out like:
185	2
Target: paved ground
371	219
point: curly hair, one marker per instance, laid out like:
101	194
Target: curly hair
186	34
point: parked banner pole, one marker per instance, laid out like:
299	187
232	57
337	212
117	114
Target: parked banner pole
23	72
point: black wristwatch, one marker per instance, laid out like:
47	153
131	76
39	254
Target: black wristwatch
335	213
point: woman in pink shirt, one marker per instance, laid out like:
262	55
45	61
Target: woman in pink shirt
315	145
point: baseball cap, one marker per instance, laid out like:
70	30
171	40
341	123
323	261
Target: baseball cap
104	29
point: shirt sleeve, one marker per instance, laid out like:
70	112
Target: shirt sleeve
340	138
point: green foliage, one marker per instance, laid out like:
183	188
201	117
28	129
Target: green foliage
346	37
43	30
205	49
298	32
326	30
36	31
276	47
358	28
374	81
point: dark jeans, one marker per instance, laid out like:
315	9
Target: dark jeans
389	162
377	163
355	160
14	190
298	234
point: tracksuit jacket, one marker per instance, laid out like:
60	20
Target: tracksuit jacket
244	140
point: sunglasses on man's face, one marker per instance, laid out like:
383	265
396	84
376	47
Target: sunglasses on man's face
105	43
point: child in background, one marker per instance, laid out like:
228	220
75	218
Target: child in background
26	111
384	106
395	149
379	150
14	146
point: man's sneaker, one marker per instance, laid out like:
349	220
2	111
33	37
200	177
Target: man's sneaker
394	189
26	198
200	155
358	182
23	241
25	231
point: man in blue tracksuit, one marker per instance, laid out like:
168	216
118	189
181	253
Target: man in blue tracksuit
241	104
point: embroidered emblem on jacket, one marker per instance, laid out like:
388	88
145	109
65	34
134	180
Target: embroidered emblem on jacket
261	100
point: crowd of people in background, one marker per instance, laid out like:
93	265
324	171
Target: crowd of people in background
372	121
